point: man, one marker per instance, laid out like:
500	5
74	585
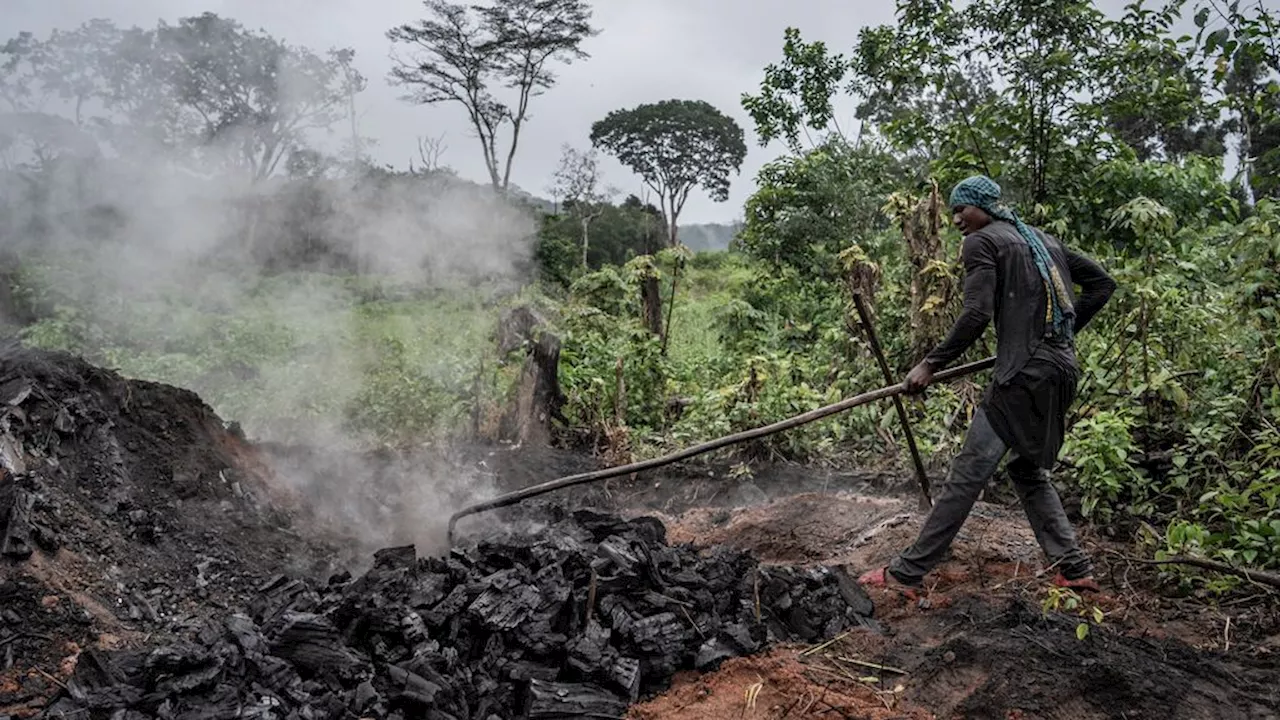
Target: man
1021	278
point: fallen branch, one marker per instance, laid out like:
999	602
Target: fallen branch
1261	577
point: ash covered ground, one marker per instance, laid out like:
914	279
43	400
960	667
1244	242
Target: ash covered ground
156	565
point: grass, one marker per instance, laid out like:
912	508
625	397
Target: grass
295	356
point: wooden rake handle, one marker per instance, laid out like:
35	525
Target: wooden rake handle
532	491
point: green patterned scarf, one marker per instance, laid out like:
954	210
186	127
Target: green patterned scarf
983	193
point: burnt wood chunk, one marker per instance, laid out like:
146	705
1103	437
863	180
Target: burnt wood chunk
570	615
571	701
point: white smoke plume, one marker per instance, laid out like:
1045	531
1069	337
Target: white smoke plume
167	258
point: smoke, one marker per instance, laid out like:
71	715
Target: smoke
334	312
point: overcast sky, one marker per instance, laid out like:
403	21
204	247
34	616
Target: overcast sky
648	50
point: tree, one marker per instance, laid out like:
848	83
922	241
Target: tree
351	83
576	184
796	95
460	53
1237	48
72	63
998	87
809	208
1152	98
251	92
674	146
35	75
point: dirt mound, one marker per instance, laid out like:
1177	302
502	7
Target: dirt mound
801	528
576	616
1006	657
992	640
127	509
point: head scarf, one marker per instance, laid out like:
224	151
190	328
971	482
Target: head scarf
983	193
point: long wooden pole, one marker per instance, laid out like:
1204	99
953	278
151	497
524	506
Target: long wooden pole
565	482
926	500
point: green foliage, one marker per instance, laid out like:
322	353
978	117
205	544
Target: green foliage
206	83
1192	189
808	208
1235	47
299	357
796	95
1154	100
617	234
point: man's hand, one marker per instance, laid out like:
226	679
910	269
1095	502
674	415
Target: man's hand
919	378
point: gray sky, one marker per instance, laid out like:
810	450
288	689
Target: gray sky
711	50
648	50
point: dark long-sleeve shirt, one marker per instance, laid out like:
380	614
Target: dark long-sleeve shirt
1035	379
1002	283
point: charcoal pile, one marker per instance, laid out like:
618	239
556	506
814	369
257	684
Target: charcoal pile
577	616
127	508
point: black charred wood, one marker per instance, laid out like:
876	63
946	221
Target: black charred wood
572	701
313	645
15	521
576	615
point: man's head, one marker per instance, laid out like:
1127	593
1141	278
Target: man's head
969	218
974	202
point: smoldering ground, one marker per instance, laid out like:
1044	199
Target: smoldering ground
328	311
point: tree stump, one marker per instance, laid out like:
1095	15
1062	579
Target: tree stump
651	297
516	326
538	397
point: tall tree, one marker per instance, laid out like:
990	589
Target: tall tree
675	146
72	64
461	54
35	78
576	184
251	92
997	87
1237	47
352	83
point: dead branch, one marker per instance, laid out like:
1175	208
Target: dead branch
1261	577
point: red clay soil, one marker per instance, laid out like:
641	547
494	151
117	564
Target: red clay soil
779	684
986	642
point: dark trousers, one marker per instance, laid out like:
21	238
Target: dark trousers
970	472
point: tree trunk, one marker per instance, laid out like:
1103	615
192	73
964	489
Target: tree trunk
651	296
586	224
671	302
538	395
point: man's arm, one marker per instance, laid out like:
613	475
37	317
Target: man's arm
1096	286
979	307
979	302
